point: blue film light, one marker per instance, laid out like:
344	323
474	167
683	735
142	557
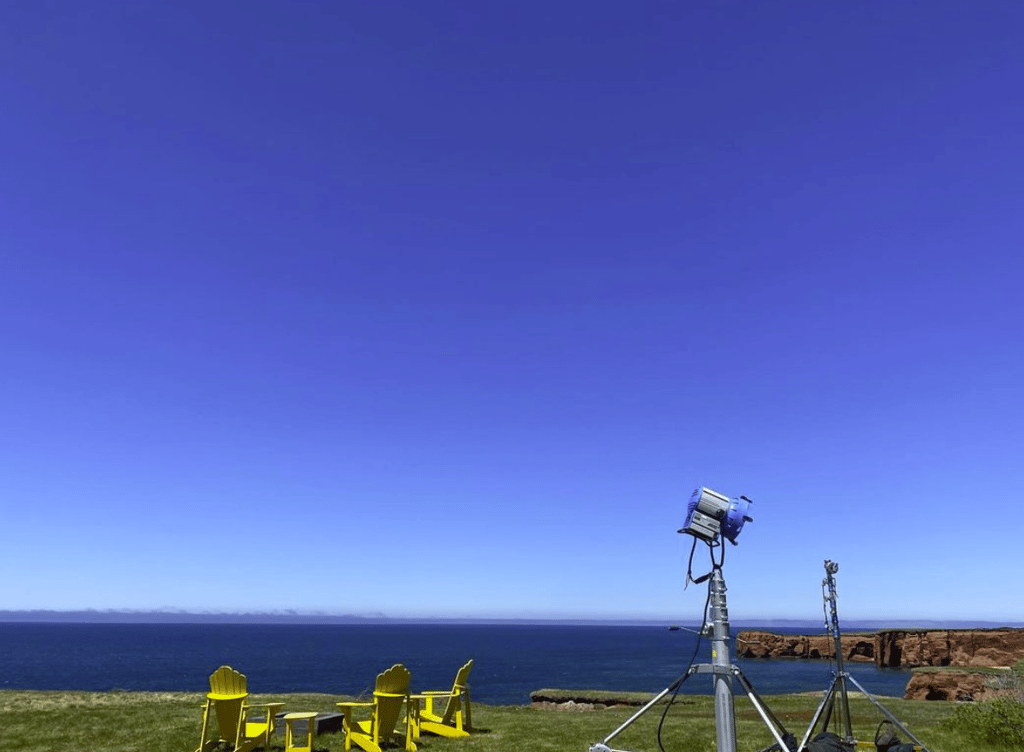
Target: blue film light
710	513
736	516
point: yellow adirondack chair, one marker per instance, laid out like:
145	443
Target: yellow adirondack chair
390	692
228	699
456	719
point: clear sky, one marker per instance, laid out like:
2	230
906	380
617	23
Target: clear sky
445	308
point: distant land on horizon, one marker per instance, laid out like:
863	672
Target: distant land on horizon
113	616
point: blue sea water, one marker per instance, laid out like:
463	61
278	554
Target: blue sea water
510	661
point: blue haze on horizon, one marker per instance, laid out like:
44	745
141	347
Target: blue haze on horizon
430	311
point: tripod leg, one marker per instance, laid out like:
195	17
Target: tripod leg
826	703
604	744
889	715
770	720
828	713
844	709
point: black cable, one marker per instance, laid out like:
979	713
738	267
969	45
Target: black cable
721	562
828	628
714	565
689	565
696	649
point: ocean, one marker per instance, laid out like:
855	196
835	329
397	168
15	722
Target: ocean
510	661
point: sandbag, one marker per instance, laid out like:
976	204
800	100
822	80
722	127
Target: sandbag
826	741
886	739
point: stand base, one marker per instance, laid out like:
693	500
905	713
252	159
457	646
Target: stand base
829	701
774	725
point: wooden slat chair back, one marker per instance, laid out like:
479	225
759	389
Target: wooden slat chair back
390	693
456	719
228	698
226	682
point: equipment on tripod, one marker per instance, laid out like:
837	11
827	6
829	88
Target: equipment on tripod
710	514
836	700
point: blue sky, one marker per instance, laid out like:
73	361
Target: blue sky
426	309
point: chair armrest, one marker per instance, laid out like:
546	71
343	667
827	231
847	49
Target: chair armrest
272	708
353	704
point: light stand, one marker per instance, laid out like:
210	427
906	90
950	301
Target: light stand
837	689
709	514
724	671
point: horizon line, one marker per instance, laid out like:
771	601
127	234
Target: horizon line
289	616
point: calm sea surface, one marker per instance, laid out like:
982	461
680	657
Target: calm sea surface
510	661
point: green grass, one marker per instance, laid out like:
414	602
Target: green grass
604	697
170	722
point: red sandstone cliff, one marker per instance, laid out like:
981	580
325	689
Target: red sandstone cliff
856	646
957	684
904	648
949	647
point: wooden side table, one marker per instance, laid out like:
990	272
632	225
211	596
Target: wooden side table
305	745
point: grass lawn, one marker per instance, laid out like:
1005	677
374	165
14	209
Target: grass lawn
170	722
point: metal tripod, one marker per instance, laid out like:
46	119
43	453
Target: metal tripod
836	699
723	673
